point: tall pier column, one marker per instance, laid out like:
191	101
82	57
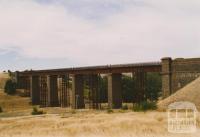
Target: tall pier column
77	92
166	77
140	77
114	90
52	85
64	91
35	90
43	91
94	95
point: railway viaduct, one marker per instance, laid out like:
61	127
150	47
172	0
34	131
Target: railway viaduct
51	87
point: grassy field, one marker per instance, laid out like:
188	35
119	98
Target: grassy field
17	121
89	124
13	103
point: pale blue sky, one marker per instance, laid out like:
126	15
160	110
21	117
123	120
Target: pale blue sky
41	34
89	9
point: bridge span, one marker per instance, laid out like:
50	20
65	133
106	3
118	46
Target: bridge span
120	68
64	87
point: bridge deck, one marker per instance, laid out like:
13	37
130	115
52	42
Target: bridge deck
119	68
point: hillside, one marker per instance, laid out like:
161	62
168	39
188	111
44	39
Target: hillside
3	78
13	103
190	92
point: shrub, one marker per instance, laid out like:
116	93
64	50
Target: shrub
109	110
125	107
36	111
149	105
1	110
144	106
137	108
10	87
121	111
73	111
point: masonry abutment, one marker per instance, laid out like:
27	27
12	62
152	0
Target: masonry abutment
166	76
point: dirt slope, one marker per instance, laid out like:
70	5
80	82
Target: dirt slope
3	78
190	92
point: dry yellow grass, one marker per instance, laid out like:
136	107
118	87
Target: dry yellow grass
13	103
62	122
90	124
190	92
3	78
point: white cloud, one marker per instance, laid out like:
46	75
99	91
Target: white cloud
138	33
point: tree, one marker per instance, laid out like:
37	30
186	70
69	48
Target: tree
128	88
153	86
10	87
103	81
130	93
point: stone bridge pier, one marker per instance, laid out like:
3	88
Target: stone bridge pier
94	92
44	90
54	90
35	90
77	92
64	90
115	90
52	85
